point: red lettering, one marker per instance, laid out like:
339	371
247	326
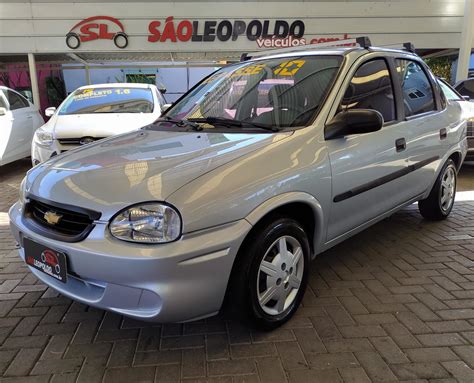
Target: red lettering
168	32
155	34
185	30
104	32
87	33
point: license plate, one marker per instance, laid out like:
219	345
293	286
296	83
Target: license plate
44	259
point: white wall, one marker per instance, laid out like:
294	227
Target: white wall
42	26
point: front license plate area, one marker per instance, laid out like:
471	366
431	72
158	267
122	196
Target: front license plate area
49	261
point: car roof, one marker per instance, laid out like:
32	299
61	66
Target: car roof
118	85
331	51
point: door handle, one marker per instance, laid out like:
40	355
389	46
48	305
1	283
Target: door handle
400	144
443	133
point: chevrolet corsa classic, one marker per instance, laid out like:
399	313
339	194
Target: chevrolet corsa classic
225	200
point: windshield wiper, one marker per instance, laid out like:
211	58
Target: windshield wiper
233	123
181	123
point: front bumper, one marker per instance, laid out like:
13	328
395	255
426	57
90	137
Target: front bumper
42	153
175	282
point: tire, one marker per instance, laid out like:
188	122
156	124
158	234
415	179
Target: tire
440	202
263	274
72	40
121	40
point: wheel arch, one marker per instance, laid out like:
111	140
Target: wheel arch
457	158
300	206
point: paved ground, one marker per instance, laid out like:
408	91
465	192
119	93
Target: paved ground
394	303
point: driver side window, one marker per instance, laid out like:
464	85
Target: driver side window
371	88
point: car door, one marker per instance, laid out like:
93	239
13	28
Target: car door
20	125
426	123
367	169
6	122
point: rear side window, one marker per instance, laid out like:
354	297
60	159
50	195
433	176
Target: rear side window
417	90
466	88
371	88
449	92
16	101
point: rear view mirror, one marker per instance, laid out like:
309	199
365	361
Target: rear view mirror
353	121
49	111
3	111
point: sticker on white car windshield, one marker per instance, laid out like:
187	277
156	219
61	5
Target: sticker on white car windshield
87	94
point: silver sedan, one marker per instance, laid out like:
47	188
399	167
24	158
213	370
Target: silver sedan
224	201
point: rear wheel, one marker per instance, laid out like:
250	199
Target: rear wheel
270	281
440	202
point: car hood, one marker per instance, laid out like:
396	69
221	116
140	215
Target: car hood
114	173
99	124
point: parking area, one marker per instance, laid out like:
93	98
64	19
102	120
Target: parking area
396	302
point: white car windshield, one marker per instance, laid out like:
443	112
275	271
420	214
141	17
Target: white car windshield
108	100
278	93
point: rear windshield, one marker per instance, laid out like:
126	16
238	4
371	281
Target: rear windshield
108	100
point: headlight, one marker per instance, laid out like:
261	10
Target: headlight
22	191
147	223
43	137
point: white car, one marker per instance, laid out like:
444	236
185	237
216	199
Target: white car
19	119
468	112
93	112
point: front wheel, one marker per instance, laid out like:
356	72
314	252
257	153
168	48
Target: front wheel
272	276
440	202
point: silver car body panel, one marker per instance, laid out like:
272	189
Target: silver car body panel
223	184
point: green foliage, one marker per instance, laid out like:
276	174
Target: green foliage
441	67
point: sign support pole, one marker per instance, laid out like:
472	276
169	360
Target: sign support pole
464	57
34	80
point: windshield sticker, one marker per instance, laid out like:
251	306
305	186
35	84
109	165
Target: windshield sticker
97	93
289	68
249	70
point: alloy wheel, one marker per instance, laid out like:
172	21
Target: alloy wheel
448	188
280	275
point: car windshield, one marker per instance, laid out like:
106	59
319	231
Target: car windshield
108	100
276	93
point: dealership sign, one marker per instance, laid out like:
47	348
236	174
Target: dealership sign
224	30
265	33
276	32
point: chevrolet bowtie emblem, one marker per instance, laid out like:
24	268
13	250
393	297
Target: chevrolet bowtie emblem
52	218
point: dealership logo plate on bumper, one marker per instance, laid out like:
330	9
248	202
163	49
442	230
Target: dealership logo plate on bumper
50	262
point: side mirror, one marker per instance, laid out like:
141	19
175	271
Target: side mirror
3	111
353	121
467	98
162	90
165	107
50	111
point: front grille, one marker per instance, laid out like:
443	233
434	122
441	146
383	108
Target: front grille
76	141
73	225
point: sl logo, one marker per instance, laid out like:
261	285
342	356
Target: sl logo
97	28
